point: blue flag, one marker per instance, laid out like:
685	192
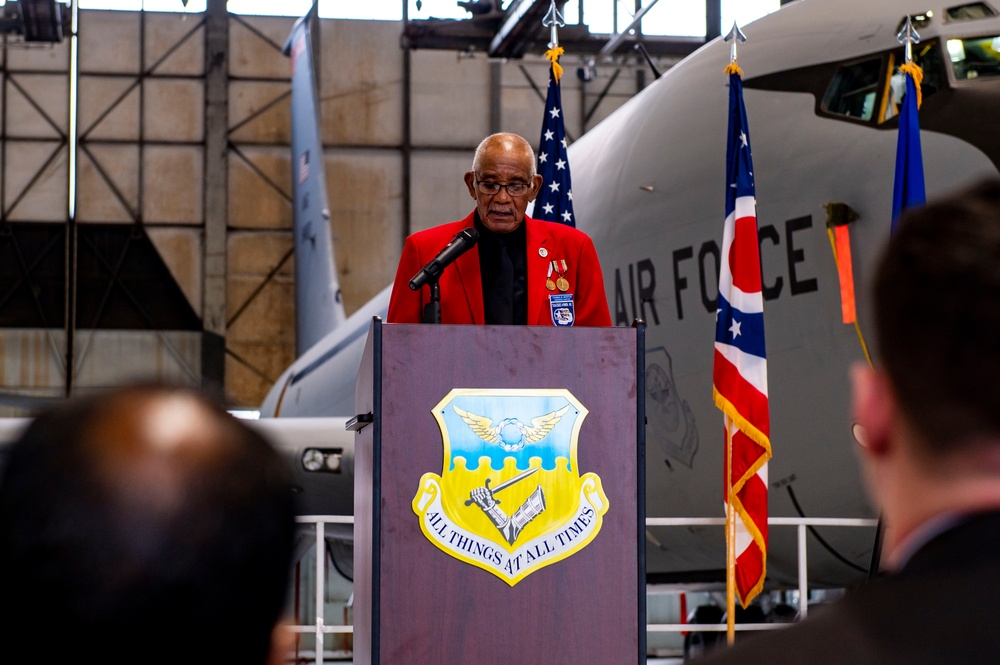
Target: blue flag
555	201
908	189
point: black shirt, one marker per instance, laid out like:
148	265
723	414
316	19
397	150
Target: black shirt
503	265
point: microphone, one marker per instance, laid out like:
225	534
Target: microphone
463	241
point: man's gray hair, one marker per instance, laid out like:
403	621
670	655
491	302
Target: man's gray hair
511	142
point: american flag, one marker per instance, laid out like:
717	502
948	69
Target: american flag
740	371
555	201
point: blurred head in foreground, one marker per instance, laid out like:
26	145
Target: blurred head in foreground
144	525
930	412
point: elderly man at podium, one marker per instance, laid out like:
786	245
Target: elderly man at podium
523	271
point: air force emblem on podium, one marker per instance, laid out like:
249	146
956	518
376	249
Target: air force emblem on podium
511	498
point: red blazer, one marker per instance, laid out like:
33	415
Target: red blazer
462	286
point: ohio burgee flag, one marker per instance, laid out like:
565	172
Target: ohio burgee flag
740	371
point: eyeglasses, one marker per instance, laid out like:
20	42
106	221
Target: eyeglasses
490	188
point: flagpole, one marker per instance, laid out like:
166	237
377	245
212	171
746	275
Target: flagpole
730	541
555	198
907	188
553	20
735	38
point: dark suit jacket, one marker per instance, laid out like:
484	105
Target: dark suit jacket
462	285
940	609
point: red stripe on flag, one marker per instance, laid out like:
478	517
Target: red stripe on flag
750	563
749	568
753	498
746	452
744	256
750	402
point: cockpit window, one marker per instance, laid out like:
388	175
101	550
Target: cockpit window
871	90
929	57
969	12
854	89
975	58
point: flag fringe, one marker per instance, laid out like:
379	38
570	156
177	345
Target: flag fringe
758	541
733	68
758	437
552	55
745	425
917	74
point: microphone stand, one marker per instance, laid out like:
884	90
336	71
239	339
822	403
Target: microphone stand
432	310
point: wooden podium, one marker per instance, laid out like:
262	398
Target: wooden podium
415	603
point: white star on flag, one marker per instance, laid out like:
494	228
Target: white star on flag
554	186
735	329
548	207
549	135
542	157
554	113
561	164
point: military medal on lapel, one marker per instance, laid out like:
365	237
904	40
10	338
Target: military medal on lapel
549	284
562	283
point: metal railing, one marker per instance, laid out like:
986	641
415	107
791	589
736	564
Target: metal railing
320	628
802	525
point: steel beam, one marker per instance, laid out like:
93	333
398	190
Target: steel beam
216	212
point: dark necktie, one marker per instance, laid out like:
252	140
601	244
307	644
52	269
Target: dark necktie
504	288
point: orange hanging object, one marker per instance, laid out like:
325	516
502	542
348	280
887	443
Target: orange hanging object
846	273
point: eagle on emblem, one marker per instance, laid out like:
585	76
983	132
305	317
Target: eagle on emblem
511	434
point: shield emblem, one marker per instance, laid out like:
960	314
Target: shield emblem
511	497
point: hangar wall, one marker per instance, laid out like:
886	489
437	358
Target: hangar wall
137	257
